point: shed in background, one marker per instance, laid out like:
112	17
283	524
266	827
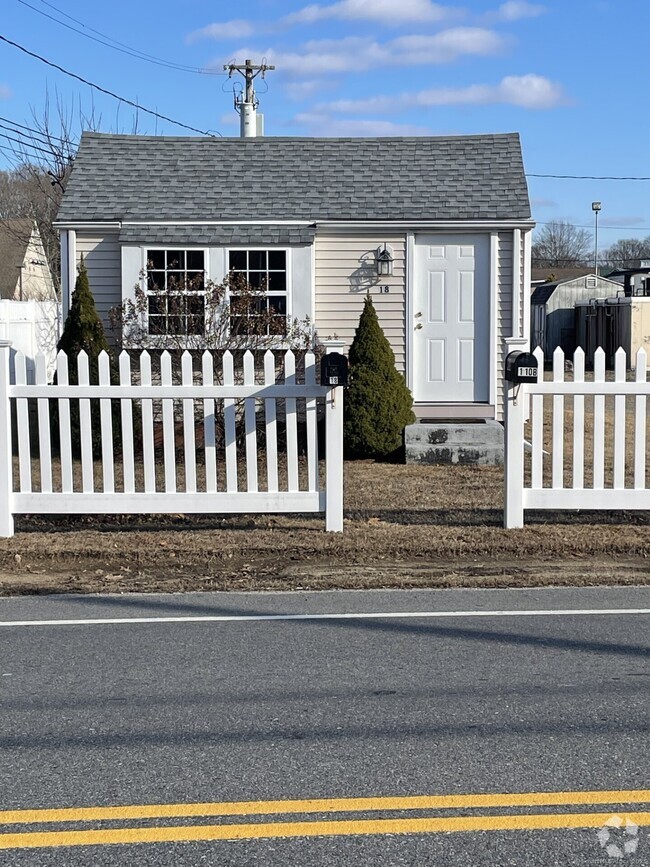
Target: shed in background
553	310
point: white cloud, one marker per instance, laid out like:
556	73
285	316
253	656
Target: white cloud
236	29
526	91
5	91
514	10
357	53
229	118
299	90
382	11
324	125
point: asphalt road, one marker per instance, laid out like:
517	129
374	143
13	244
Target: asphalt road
153	710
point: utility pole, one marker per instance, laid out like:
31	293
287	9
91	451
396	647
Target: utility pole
251	123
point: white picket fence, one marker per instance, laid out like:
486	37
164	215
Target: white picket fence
591	453
210	477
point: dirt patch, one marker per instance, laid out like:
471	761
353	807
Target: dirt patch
406	526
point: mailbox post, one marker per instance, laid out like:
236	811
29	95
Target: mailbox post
520	368
334	375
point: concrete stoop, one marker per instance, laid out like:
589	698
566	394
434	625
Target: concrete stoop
478	443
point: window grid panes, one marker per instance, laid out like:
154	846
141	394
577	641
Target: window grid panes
176	291
266	271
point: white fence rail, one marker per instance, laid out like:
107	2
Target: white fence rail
586	443
225	448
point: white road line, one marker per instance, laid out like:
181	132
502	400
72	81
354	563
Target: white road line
376	615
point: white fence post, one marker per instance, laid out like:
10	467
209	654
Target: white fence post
6	460
334	452
514	412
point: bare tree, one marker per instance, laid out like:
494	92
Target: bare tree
627	253
562	245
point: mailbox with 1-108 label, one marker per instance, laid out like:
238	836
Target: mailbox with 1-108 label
334	370
521	367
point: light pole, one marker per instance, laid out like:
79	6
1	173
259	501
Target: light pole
595	207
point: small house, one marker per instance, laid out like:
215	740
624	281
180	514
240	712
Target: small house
436	229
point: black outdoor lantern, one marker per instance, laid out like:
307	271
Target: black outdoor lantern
384	262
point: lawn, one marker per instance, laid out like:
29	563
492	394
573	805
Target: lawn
405	526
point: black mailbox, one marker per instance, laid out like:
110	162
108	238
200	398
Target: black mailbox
521	367
334	370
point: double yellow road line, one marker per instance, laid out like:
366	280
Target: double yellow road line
155	833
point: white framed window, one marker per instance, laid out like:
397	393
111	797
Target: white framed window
266	270
175	285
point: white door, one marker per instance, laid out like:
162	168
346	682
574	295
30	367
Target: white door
451	324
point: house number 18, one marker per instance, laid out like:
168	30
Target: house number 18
384	290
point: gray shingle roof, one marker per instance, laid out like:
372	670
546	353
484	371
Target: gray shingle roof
118	177
249	233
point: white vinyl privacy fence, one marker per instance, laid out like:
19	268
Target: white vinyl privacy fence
586	441
207	436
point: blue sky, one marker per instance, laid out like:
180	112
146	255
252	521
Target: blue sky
569	75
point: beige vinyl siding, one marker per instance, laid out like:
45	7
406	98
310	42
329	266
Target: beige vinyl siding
344	271
103	263
504	309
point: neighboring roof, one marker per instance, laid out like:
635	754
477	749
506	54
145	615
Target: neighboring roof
14	238
551	273
151	178
249	233
543	292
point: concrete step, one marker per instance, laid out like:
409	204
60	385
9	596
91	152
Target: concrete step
478	444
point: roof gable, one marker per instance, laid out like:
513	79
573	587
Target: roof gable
147	178
15	236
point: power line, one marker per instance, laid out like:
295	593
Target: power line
116	46
25	144
600	226
591	177
103	89
35	134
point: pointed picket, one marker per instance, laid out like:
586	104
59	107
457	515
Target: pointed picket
65	432
169	434
292	424
209	430
250	424
22	419
640	423
578	422
620	366
85	427
270	414
537	427
230	424
106	419
599	422
148	452
126	416
558	422
189	443
311	411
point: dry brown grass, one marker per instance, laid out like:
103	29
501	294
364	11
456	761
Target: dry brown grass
405	526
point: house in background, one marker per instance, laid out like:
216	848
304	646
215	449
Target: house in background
553	310
313	219
24	270
30	313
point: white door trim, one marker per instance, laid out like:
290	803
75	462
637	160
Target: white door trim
408	324
494	308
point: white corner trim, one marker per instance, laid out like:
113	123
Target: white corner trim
409	285
65	279
516	283
526	281
72	264
495	354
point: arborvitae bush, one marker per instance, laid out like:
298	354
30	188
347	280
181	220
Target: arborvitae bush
378	403
83	330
